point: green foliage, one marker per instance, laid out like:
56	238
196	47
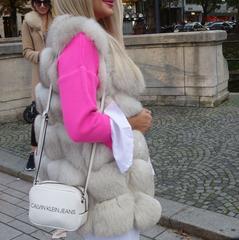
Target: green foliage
231	53
13	5
207	5
233	3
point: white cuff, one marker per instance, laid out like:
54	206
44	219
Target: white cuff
122	137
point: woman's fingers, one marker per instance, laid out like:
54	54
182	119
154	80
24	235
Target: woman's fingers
142	121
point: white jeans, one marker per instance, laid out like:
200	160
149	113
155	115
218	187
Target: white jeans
131	235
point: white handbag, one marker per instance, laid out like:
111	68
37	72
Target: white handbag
53	204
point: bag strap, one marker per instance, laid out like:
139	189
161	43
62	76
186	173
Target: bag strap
42	137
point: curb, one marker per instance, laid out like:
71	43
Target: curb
14	166
194	221
198	222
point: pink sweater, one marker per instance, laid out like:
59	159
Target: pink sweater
78	82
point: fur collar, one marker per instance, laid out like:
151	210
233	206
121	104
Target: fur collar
67	27
33	20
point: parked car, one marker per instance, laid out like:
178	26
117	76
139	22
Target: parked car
194	26
232	24
179	28
221	26
207	24
190	27
167	29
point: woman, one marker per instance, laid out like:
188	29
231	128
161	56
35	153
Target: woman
34	30
84	58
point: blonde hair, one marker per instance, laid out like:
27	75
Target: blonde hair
113	25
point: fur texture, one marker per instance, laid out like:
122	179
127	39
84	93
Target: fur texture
147	211
115	215
141	150
126	102
33	20
118	202
102	189
138	177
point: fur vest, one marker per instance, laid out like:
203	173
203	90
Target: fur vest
117	202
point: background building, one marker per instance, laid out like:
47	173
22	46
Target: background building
156	15
193	13
4	25
8	28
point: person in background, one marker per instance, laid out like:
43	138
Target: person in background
140	26
34	31
85	58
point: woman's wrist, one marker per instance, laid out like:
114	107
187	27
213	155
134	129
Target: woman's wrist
132	121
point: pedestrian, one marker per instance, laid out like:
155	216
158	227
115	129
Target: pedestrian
140	26
85	57
34	31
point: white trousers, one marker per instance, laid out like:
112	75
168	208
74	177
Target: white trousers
131	235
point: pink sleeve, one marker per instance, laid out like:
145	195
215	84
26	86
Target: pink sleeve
78	82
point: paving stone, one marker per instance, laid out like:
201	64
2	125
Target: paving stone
10	209
26	198
41	235
20	186
21	226
24	218
189	145
4	218
173	235
173	209
15	193
7	232
153	232
6	179
144	238
24	237
2	187
206	222
194	151
8	198
14	136
23	204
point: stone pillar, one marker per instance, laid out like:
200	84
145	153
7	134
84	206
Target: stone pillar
185	69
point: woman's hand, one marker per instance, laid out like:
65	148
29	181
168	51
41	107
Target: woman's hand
142	121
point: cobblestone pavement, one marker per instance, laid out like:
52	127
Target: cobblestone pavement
195	153
15	138
14	223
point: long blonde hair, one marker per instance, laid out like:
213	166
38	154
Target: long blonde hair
124	66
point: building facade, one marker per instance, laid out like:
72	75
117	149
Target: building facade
162	15
148	16
5	19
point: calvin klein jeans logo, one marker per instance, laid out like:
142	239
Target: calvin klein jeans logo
53	209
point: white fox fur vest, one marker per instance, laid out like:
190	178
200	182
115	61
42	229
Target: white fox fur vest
118	202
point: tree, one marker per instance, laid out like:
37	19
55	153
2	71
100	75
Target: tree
208	6
234	4
11	7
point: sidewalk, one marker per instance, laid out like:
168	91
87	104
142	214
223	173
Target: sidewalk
195	153
14	223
